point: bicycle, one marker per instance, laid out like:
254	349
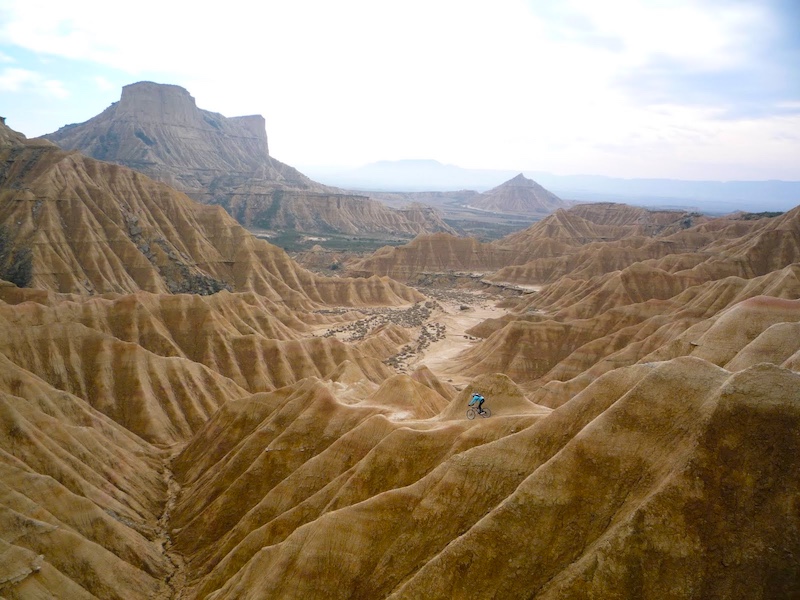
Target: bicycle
473	412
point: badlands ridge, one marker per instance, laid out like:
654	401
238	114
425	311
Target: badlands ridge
187	413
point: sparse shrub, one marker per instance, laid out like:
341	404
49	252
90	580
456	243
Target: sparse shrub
20	271
198	283
760	215
144	137
16	266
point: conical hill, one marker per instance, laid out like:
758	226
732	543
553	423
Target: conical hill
519	195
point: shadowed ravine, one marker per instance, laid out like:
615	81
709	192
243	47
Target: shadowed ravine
176	579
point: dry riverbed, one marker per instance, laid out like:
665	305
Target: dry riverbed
439	326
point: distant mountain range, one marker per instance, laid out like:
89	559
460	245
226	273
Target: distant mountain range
706	196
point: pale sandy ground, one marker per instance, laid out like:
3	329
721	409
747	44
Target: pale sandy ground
438	357
519	286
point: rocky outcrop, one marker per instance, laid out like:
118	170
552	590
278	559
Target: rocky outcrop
158	130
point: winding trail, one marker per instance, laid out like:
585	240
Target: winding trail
440	356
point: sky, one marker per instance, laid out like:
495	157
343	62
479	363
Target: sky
681	89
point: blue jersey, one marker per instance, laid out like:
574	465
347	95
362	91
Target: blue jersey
476	398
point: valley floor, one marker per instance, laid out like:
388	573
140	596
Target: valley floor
458	315
441	334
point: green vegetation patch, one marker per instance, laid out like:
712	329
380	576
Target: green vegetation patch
760	215
295	241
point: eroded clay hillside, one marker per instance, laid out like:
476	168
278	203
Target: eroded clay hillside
95	227
306	437
557	244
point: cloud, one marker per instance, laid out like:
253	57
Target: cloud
736	57
737	60
14	79
746	91
508	84
104	84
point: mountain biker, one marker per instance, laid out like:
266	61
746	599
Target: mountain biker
477	398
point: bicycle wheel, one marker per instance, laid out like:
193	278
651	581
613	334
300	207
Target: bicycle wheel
471	413
486	413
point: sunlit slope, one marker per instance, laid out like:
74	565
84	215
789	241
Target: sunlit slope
624	490
87	383
95	227
161	365
80	498
639	503
293	456
581	326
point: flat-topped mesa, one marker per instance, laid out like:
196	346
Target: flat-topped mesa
148	102
157	129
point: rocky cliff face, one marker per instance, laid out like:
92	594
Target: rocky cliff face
158	130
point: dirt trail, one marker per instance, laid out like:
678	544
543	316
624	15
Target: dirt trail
438	357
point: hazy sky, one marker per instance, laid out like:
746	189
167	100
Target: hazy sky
686	89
